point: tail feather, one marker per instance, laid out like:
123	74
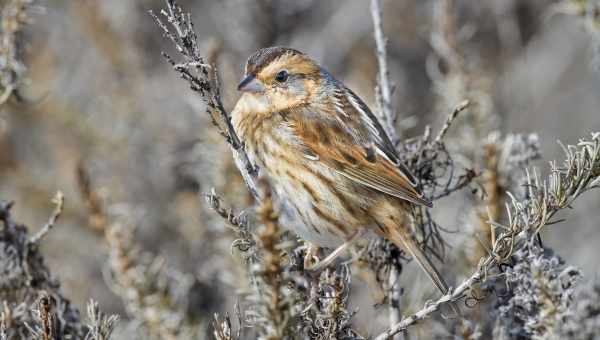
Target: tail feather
407	242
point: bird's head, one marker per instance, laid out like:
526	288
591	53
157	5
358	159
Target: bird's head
281	78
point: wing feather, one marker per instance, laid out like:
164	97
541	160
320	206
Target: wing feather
349	148
400	189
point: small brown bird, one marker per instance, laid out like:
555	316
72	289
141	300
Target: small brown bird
332	167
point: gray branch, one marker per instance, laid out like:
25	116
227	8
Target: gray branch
526	217
204	80
386	114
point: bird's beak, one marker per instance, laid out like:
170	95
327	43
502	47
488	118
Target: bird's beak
251	84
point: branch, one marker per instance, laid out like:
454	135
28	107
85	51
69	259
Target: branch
457	109
204	80
388	119
395	296
59	201
526	217
383	91
451	296
14	17
239	223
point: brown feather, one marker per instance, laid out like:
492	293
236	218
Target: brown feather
350	159
331	164
404	241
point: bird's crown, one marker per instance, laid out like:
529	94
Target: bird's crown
263	57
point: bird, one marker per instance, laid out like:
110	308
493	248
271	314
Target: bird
334	170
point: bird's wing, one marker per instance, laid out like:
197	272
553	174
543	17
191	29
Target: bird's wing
352	142
376	134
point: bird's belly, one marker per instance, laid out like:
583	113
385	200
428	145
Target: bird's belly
312	207
314	201
292	220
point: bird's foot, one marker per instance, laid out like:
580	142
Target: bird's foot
326	262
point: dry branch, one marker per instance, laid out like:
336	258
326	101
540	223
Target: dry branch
32	305
383	91
458	109
542	200
387	116
59	201
204	80
13	18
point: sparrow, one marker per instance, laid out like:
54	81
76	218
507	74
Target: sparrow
332	167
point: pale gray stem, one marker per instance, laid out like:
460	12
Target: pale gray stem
430	307
457	109
385	114
387	117
59	201
395	295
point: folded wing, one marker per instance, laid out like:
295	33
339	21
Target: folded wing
354	144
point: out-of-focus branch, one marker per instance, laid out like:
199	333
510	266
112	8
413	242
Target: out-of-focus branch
33	306
59	201
443	36
579	173
13	17
204	80
146	285
457	109
101	325
492	206
91	198
273	307
383	91
45	316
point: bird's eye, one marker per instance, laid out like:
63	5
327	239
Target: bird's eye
281	76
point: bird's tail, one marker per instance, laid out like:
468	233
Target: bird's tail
407	242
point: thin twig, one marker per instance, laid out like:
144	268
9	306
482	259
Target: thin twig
458	109
429	308
14	17
237	221
387	116
59	201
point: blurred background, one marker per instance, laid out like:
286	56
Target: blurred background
107	121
